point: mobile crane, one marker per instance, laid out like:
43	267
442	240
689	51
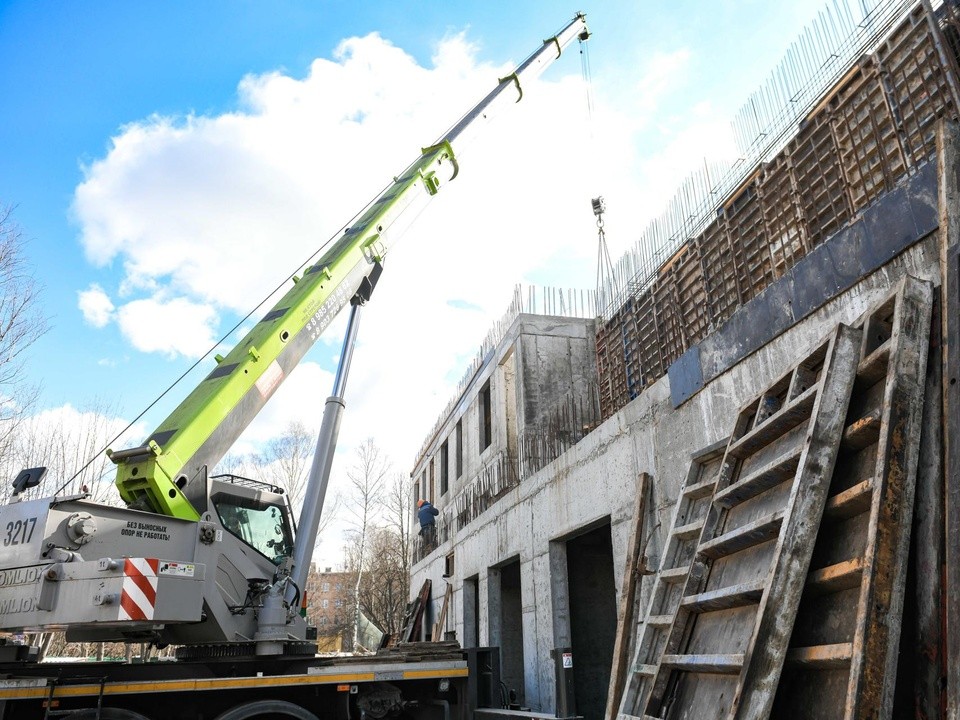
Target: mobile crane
210	564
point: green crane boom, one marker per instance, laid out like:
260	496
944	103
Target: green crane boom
159	475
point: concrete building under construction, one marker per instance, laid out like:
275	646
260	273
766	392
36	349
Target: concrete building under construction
732	488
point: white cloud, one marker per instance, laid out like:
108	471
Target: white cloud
172	328
95	305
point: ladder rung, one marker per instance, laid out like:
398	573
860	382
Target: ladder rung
674	575
834	578
660	621
701	489
874	366
721	664
787	418
753	533
690	531
764	478
645	670
729	597
850	502
821	657
862	432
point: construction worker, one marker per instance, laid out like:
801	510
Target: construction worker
428	526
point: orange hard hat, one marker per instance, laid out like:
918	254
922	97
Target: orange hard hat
420	503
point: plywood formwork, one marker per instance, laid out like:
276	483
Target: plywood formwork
865	128
749	244
718	637
782	217
842	660
920	80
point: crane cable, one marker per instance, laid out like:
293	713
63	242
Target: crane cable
604	265
587	75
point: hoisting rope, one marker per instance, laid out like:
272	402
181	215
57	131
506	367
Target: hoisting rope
587	82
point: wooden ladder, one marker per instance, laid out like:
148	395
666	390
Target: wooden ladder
842	659
721	651
689	513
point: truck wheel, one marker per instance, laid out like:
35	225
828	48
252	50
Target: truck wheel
106	714
268	710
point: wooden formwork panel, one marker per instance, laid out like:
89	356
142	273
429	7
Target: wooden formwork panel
722	634
719	275
917	83
819	180
692	299
645	365
611	370
749	244
842	661
786	233
671	341
867	138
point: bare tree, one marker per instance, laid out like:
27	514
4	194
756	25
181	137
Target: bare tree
69	443
286	462
367	477
385	582
383	590
21	324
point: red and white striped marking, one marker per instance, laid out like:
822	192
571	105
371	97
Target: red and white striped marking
139	594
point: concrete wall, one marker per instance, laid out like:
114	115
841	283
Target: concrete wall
596	479
540	361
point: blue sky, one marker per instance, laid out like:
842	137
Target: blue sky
122	115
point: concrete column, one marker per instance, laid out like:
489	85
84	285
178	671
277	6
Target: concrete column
531	651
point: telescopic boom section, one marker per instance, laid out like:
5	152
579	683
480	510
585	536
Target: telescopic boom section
158	476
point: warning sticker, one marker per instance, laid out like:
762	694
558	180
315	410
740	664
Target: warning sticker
567	660
177	568
270	379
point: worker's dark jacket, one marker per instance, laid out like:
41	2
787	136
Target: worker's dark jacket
426	514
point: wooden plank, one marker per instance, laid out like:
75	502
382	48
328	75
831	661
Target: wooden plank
787	418
850	502
442	619
753	533
628	598
948	162
834	578
690	531
928	545
788	574
864	431
674	575
873	667
873	368
725	598
701	489
721	664
773	473
821	657
660	621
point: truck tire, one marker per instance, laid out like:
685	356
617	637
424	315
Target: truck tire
106	714
268	710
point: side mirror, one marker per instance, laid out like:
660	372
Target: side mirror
29	478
